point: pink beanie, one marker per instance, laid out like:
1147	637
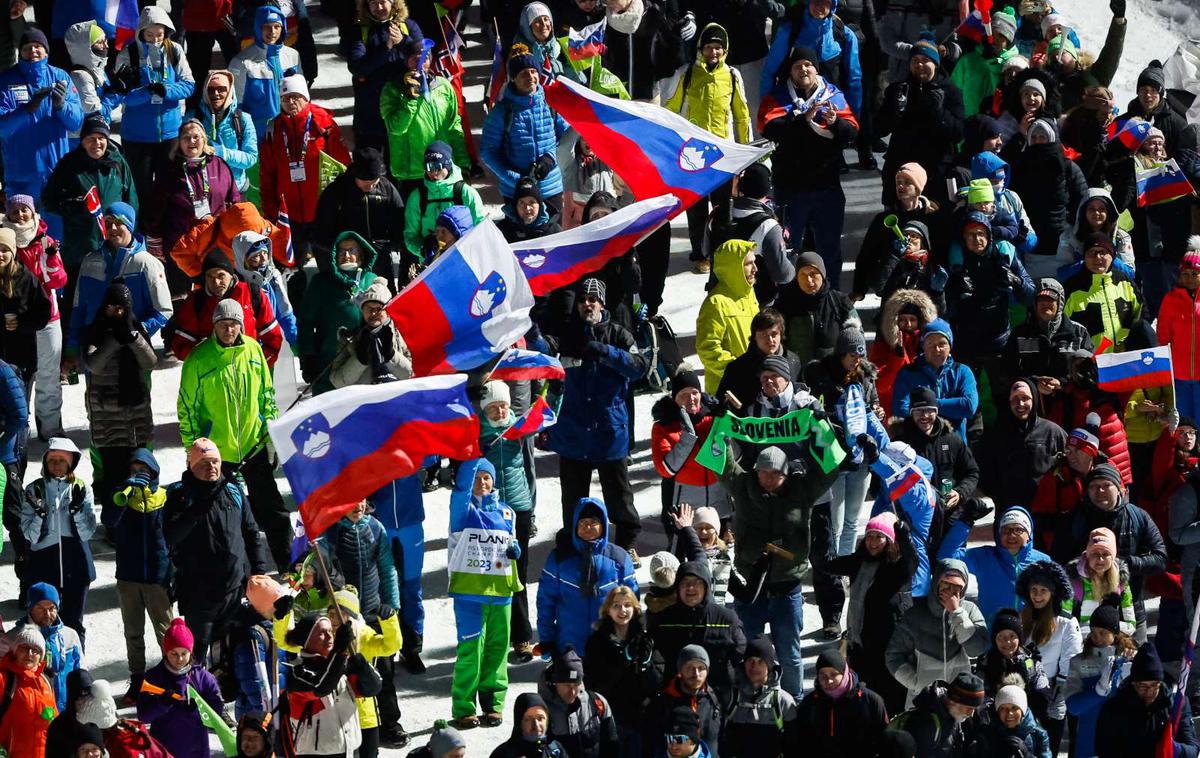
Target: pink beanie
708	515
178	635
1102	540
885	524
201	447
1191	260
917	173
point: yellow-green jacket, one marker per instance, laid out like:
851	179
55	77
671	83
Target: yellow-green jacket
226	394
1104	304
723	326
714	100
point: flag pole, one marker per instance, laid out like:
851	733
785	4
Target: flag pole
327	582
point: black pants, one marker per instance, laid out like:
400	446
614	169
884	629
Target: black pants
370	744
654	254
575	476
114	469
267	506
389	704
199	55
520	630
13	507
828	588
207	615
145	158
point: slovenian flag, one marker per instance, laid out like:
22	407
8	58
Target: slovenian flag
470	305
1131	132
654	151
539	416
120	20
1162	183
561	259
1137	369
339	447
588	42
978	25
518	365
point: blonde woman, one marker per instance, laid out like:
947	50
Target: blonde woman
24	308
621	664
1098	574
193	185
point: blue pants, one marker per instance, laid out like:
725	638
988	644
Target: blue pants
1187	397
848	492
408	549
823	211
786	614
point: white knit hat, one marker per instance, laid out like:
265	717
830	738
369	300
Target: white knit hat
1011	694
495	392
708	515
663	566
98	708
294	85
29	635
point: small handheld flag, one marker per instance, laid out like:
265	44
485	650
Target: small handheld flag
1137	369
1162	183
120	20
1131	132
498	77
91	201
213	722
539	416
518	365
588	42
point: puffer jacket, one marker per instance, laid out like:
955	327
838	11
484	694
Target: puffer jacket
1084	598
29	302
268	280
1070	407
1104	304
64	193
593	419
225	394
284	144
112	422
230	133
512	478
64	654
42	258
141	548
566	605
258	71
319	711
834	42
1014	454
814	321
1179	326
169	212
994	738
853	724
438	195
673	450
979	297
927	129
328	307
1139	543
756	718
413	123
194	320
711	625
363	553
518	131
373	63
1059	490
88	72
891	351
714	100
723	324
954	385
1082	700
931	645
27	720
149	118
141	272
33	143
876	255
60	510
994	568
173	719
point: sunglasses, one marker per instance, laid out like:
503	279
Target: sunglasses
677	739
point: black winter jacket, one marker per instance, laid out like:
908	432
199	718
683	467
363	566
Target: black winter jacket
951	458
850	725
933	729
1051	187
376	216
875	257
806	160
32	307
1139	543
813	321
705	705
1127	728
629	673
925	121
1032	352
741	375
1014	454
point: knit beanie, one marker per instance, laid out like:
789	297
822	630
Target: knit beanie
760	647
217	259
1007	619
1191	261
684	721
715	33
692	653
1086	438
1015	515
811	259
706	514
29	635
1061	44
802	53
123	211
1104	471
33	34
1153	76
776	364
926	46
367	164
1101	240
851	342
16	201
885	524
444	739
376	292
831	659
1107	615
593	287
771	459
684	379
1011	694
938	326
922	397
8	239
1050	20
1044	127
663	566
178	635
916	174
1034	84
1101	540
294	85
980	191
520	59
1147	666
42	591
201	447
495	392
566	668
229	310
95	123
438	155
1004	23
755	181
98	707
966	689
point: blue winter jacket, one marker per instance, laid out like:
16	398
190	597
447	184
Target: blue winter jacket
593	419
989	165
915	503
14	409
67	12
364	554
518	131
259	69
994	568
954	384
818	35
142	274
373	65
239	154
148	118
142	555
252	659
33	143
468	511
565	614
399	504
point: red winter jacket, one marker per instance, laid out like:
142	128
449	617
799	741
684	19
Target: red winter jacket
283	145
1069	409
1059	490
193	320
1179	327
205	15
664	435
42	258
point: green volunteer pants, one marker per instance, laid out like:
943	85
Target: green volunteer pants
481	666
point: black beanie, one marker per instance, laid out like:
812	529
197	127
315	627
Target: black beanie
966	689
33	34
922	397
714	33
527	187
217	259
1007	618
831	659
1104	471
1147	667
683	720
1153	75
1107	615
566	668
367	164
802	53
684	379
761	647
755	181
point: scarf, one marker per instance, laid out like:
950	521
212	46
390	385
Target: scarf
844	687
27	232
375	350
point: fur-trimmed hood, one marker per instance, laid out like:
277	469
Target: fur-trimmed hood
891	308
1046	574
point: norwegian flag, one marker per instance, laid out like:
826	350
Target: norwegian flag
447	56
92	201
283	222
498	77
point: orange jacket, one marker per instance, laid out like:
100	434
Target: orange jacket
218	231
24	726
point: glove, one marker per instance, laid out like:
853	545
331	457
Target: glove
966	287
513	551
310	368
687	26
118	82
283	606
900	97
542	167
157	88
973	509
1013	279
900	246
1117	7
342	637
870	448
58	95
938	279
1104	683
138	480
385	612
952	53
38	506
797	466
1014	747
936	98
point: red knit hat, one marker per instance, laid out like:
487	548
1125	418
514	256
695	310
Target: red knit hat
178	635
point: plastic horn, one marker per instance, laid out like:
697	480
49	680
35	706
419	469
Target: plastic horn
891	221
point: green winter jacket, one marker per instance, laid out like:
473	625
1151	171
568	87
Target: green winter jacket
723	325
512	480
978	76
226	394
67	188
419	218
414	122
328	305
1106	305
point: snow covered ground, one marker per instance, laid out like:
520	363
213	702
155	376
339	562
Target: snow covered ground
426	698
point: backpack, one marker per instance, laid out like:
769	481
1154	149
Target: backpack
899	722
656	339
456	195
221	658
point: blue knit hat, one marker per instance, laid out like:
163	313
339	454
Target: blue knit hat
927	46
938	326
42	591
123	211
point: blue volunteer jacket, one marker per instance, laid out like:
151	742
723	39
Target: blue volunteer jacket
518	131
142	274
34	142
148	118
240	154
399	503
259	69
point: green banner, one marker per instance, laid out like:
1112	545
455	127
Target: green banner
212	720
330	168
797	426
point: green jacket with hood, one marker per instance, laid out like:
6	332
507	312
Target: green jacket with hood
328	306
414	122
714	100
226	394
723	325
419	219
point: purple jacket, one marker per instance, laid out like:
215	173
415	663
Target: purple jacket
176	723
170	214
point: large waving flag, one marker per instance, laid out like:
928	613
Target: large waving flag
518	365
339	447
1162	184
120	20
588	42
560	259
470	305
654	151
1125	372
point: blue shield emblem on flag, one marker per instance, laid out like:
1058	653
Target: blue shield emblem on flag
697	155
313	437
488	296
